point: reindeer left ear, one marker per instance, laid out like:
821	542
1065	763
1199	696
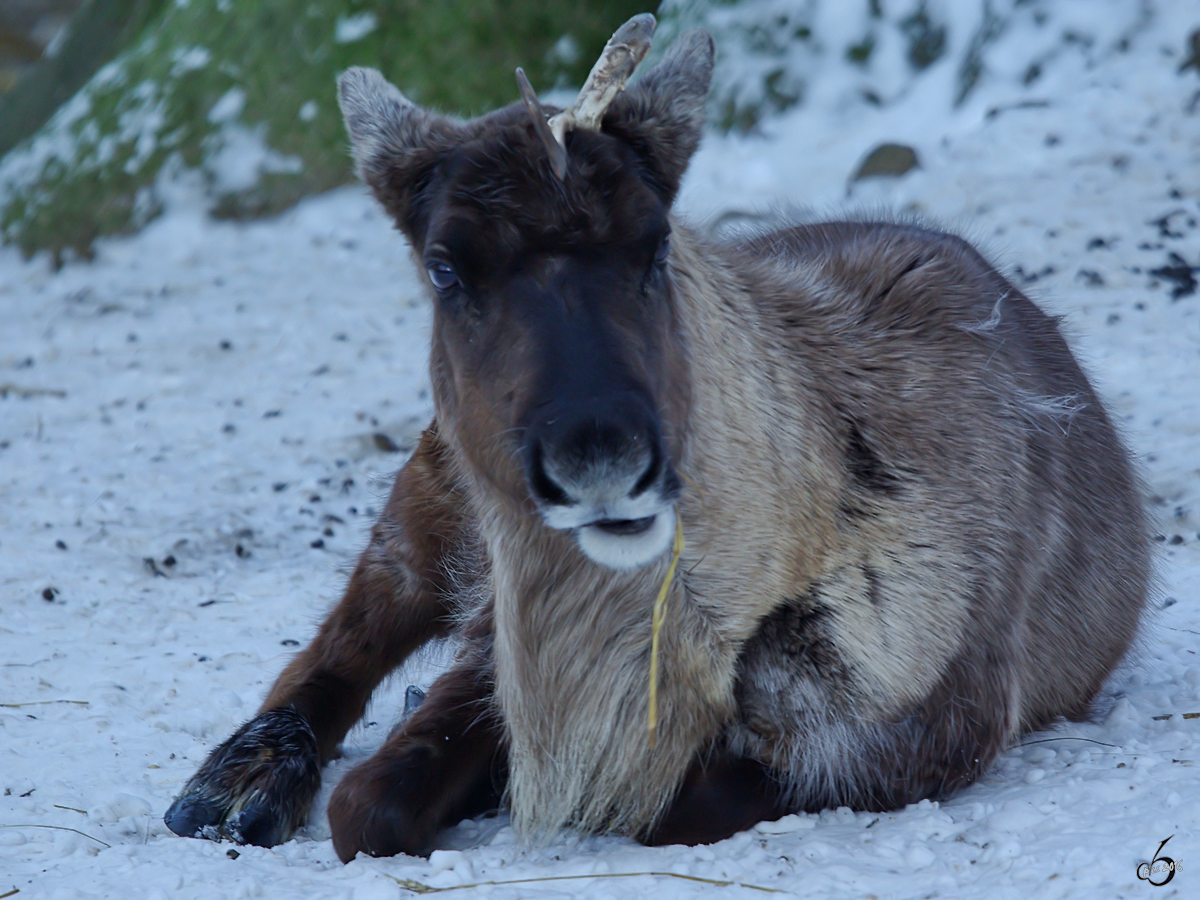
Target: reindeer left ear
662	116
395	142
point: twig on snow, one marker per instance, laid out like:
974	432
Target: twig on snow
43	703
62	828
418	887
26	393
1047	740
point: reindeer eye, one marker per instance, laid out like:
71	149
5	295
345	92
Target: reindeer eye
663	251
442	275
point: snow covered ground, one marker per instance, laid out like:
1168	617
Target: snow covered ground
189	463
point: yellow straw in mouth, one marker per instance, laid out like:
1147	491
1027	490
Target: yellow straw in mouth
660	608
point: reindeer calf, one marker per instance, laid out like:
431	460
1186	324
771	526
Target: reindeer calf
906	529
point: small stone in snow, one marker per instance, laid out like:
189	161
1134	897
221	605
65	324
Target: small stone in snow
1181	272
887	160
385	443
49	594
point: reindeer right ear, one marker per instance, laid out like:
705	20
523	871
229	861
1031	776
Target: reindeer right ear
396	143
662	115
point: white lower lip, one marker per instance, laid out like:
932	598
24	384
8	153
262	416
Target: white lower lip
629	551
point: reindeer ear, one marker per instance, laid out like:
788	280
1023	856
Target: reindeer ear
662	115
395	143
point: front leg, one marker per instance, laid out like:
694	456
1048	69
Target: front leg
447	763
721	795
257	787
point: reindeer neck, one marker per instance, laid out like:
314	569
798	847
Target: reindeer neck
756	519
572	658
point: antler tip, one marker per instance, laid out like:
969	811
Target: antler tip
640	27
554	147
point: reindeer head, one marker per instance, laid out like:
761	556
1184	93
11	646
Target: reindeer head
558	368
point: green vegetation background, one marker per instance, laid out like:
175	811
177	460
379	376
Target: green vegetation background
92	169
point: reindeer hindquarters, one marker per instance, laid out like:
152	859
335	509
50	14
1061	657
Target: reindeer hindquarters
827	756
446	763
807	715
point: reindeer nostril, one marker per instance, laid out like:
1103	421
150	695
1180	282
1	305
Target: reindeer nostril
546	488
650	476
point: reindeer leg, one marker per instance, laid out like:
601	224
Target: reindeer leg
257	786
446	763
721	794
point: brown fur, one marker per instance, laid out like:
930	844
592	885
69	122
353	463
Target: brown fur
912	531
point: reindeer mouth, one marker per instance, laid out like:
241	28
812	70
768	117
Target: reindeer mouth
623	527
628	543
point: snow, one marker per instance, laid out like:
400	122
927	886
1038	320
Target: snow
354	28
203	387
237	157
190	59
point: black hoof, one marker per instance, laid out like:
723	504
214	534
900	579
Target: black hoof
190	814
413	698
256	787
260	824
